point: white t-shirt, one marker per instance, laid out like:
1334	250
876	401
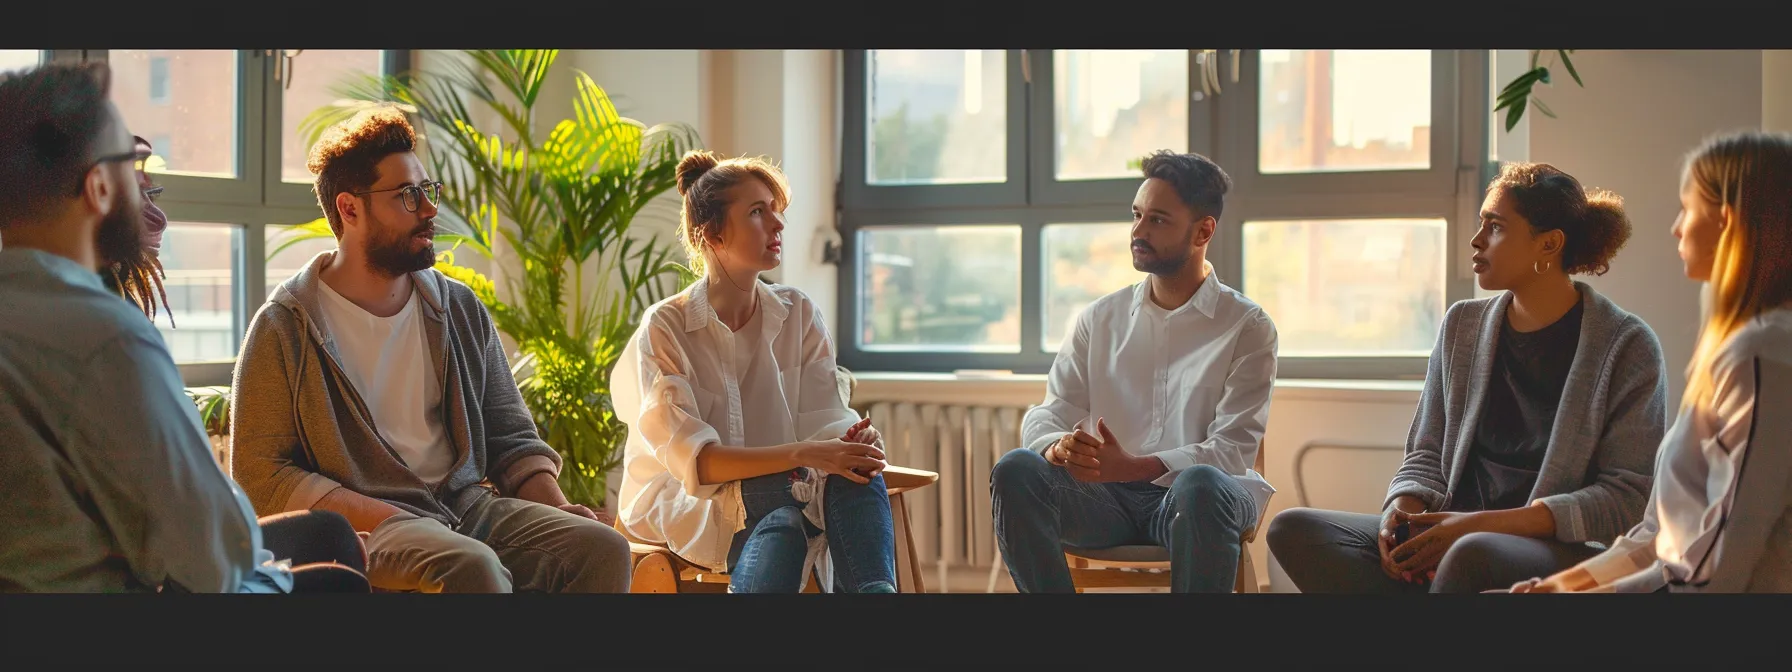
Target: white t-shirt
387	360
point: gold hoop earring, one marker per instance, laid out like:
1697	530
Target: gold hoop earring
1542	270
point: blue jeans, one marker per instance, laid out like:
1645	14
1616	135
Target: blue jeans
768	556
1039	508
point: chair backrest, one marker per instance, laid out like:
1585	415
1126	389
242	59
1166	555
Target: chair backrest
1764	493
844	379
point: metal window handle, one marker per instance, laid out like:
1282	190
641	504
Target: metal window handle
283	66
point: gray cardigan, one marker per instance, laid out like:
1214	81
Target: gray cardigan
299	429
1600	462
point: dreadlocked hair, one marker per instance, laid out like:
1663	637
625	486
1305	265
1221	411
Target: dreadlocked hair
140	281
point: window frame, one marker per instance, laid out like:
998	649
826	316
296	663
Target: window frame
1225	128
255	199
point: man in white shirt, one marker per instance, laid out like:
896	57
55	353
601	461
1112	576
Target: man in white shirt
1154	409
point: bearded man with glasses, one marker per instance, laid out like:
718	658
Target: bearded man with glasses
371	385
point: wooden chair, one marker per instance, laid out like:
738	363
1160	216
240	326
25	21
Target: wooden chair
1148	566
659	570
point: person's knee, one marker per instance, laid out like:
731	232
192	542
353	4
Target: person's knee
600	558
841	486
1472	555
1201	490
1018	471
470	567
1293	533
784	520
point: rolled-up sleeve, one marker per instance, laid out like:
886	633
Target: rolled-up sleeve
662	405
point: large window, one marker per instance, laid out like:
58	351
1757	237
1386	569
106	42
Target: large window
15	59
224	125
986	196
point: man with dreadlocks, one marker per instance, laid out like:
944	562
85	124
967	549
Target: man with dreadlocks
139	279
110	481
324	551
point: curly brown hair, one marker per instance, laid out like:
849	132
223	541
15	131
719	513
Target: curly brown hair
346	158
1592	221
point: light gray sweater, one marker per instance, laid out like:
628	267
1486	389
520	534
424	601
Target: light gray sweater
299	428
1600	461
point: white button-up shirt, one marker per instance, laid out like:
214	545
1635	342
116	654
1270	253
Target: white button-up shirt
686	380
1188	386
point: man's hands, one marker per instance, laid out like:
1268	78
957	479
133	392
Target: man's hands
1101	460
582	510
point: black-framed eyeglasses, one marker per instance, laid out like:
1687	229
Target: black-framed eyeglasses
137	157
412	194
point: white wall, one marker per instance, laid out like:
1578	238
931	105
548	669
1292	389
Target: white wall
779	104
1628	131
1776	90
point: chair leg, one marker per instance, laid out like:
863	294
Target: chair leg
1247	572
909	577
654	573
995	572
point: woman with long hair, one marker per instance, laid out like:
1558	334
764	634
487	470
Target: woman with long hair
1735	235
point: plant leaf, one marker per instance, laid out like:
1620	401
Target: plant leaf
1570	66
1513	115
298	233
1542	108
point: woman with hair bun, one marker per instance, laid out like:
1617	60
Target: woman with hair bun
1537	427
742	458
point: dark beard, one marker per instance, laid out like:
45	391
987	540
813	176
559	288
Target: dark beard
1162	266
391	255
120	235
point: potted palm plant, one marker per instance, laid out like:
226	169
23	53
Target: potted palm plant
562	196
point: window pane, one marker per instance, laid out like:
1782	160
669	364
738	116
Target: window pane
286	263
315	73
201	284
1083	262
940	288
1348	287
1114	106
187	99
19	59
1331	111
937	117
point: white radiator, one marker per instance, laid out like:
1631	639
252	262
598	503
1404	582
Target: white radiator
952	521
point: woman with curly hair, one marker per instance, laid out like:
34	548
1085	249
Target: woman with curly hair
1537	427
